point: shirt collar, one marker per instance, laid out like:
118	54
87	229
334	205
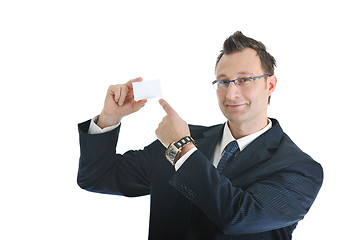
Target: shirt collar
244	141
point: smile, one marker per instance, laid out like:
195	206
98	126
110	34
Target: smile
236	105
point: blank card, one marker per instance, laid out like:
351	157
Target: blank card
146	89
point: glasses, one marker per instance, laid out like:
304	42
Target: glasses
239	82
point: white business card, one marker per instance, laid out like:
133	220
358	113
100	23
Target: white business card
147	89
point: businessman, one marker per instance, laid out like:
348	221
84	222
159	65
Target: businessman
243	179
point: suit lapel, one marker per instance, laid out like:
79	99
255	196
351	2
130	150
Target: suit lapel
256	152
207	143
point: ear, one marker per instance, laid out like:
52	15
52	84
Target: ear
271	84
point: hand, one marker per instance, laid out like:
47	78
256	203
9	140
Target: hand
119	102
172	128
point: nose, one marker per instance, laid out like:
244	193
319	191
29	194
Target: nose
233	91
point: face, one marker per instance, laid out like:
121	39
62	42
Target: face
244	104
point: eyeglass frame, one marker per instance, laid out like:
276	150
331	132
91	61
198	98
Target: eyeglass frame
236	81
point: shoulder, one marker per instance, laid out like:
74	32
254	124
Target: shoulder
288	154
292	157
289	149
283	144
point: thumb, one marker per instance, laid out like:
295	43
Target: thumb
167	108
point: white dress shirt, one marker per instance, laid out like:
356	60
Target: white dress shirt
95	129
219	149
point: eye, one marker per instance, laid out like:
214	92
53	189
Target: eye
244	80
224	83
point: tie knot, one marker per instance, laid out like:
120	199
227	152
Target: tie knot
232	147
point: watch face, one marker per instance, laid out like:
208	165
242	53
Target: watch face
172	153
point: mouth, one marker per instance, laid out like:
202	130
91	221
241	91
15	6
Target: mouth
233	106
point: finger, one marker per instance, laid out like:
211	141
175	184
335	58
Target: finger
114	90
168	109
140	104
129	83
123	92
136	106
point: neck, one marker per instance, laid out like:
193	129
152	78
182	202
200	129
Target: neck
239	130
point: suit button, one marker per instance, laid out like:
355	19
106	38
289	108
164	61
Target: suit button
188	191
191	193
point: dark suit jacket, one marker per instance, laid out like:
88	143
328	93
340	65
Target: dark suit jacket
261	194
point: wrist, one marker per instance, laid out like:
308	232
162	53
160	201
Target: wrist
177	149
185	149
104	120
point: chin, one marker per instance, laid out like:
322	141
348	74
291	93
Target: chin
236	118
235	115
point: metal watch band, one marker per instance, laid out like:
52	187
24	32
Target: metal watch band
184	141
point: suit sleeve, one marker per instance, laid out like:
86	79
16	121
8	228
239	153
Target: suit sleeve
275	202
102	170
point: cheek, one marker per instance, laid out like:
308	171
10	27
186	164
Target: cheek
258	93
259	98
221	100
220	97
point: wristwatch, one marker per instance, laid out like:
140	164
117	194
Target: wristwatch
173	151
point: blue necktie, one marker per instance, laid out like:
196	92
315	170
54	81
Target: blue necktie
229	151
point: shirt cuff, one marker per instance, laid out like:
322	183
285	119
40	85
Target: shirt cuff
95	129
184	158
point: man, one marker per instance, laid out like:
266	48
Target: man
244	179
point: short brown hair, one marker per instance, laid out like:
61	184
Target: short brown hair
238	41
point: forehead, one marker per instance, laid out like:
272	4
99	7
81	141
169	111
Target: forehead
246	62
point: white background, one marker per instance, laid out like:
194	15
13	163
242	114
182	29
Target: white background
57	59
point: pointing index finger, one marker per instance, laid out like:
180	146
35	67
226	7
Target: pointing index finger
168	109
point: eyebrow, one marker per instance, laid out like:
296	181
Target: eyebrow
239	73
